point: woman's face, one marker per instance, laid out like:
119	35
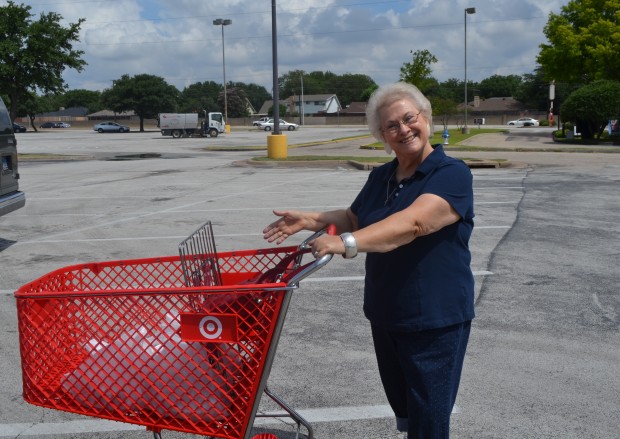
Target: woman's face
404	127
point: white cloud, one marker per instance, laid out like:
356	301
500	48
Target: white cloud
177	40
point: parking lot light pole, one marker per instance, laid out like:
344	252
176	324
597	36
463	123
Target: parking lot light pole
467	11
276	142
222	22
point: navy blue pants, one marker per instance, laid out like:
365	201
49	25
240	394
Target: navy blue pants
420	372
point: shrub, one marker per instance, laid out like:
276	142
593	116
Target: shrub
591	106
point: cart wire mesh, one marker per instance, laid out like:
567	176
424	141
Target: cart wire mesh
199	258
179	343
107	340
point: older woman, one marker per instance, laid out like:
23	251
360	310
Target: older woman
413	218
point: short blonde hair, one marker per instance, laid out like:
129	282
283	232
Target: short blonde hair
388	94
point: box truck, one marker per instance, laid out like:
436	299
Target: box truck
187	125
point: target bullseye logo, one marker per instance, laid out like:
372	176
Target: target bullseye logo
210	327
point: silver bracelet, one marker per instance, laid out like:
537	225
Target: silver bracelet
350	246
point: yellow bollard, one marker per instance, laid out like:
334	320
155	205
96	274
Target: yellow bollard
227	128
276	146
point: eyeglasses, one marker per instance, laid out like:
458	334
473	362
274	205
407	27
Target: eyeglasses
408	121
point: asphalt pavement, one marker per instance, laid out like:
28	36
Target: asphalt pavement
543	356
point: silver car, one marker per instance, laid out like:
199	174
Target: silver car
524	122
110	127
284	125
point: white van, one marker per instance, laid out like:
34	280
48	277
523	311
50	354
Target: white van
10	197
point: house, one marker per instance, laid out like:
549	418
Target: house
504	105
63	114
355	109
314	104
311	105
249	107
264	109
497	110
111	115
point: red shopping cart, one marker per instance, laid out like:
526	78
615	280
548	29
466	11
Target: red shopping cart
171	343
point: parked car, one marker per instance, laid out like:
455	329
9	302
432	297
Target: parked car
524	122
62	125
284	125
257	123
17	128
110	127
11	198
48	125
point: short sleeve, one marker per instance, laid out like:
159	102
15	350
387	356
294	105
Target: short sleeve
453	182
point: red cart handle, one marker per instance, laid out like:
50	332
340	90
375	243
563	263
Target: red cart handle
290	270
301	272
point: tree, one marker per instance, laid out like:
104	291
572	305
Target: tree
534	91
201	96
34	54
146	95
499	86
443	109
451	89
583	42
236	102
83	98
29	106
313	83
350	87
290	83
418	71
256	94
591	107
281	109
319	82
365	96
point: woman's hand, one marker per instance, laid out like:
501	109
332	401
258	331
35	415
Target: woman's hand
327	244
289	223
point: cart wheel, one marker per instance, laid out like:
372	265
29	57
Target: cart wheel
265	436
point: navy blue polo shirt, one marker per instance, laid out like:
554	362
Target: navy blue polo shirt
427	283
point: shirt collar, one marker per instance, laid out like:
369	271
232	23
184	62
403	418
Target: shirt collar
431	162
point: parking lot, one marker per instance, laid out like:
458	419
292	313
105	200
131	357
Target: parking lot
543	357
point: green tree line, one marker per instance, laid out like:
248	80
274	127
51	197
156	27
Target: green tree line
582	49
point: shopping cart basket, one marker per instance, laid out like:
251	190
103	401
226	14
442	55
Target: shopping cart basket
171	343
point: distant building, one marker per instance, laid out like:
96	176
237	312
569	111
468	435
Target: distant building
111	115
311	105
71	112
355	109
496	110
503	105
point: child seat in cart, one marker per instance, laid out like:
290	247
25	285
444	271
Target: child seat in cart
180	343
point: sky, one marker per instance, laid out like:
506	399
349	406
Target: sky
176	39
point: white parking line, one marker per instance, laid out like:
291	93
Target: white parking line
361	278
325	414
314	279
175	237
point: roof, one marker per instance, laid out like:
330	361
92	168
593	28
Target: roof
355	108
318	97
498	104
264	109
66	112
110	113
